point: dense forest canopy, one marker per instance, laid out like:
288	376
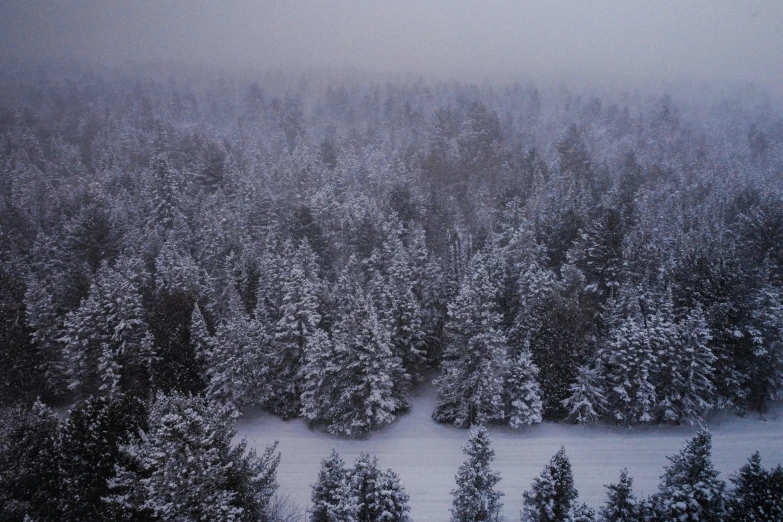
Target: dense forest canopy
317	244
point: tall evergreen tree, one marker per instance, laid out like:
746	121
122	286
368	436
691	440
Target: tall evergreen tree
185	468
107	339
552	495
299	320
522	392
690	489
476	498
587	401
765	379
30	479
362	394
621	504
629	360
332	498
757	494
90	441
470	388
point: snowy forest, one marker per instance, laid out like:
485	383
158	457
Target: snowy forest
178	245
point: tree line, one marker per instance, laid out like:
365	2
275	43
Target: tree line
318	247
173	460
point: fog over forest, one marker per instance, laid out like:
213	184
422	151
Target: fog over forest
605	41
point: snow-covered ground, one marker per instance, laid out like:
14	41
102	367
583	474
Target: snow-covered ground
426	455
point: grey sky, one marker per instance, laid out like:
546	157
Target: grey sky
612	40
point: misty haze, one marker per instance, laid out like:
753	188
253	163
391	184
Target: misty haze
363	261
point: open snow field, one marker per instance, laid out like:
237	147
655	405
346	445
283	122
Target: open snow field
426	455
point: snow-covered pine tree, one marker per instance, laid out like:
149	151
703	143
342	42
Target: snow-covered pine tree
429	291
186	467
621	504
90	441
319	375
45	326
470	388
475	498
582	513
201	342
30	479
552	495
690	490
765	382
360	380
522	392
106	338
231	362
390	500
629	363
363	479
757	493
332	498
697	393
299	320
587	401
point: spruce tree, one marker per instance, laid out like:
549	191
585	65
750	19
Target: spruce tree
90	440
757	494
107	339
230	362
765	379
552	495
690	489
582	513
522	392
41	316
629	361
299	319
390	500
475	498
621	504
587	401
470	388
332	497
186	467
361	387
30	478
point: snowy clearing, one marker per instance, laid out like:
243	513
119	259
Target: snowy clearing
426	455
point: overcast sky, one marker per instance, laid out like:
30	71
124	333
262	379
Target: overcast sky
610	40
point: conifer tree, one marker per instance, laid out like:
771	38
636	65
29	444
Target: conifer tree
629	361
29	464
107	339
390	500
582	513
360	386
299	320
587	401
332	498
90	441
522	392
470	389
765	379
185	468
552	495
475	498
698	392
757	494
45	326
621	504
379	494
230	362
690	489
